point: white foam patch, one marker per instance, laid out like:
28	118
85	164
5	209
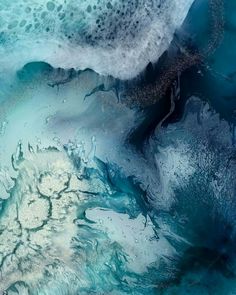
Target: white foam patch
33	225
193	148
41	236
136	236
175	165
110	37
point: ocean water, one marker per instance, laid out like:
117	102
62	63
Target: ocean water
117	147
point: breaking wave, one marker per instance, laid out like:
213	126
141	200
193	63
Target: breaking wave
117	38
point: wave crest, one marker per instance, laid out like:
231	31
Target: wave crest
113	38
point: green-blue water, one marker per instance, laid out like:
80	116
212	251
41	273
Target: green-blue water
117	168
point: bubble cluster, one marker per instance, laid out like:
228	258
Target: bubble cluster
91	21
111	21
135	30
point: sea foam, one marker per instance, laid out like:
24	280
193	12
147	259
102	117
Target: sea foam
117	38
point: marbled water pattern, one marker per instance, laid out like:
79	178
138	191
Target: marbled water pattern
117	147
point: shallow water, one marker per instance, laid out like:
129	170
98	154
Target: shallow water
109	185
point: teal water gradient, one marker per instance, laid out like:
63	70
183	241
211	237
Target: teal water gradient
110	191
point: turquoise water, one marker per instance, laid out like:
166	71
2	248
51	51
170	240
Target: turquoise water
117	168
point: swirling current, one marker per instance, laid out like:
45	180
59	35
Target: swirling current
117	147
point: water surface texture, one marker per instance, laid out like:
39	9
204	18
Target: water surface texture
117	147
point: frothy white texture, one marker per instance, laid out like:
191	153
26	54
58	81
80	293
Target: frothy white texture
111	37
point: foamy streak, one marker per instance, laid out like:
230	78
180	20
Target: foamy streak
111	38
187	148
